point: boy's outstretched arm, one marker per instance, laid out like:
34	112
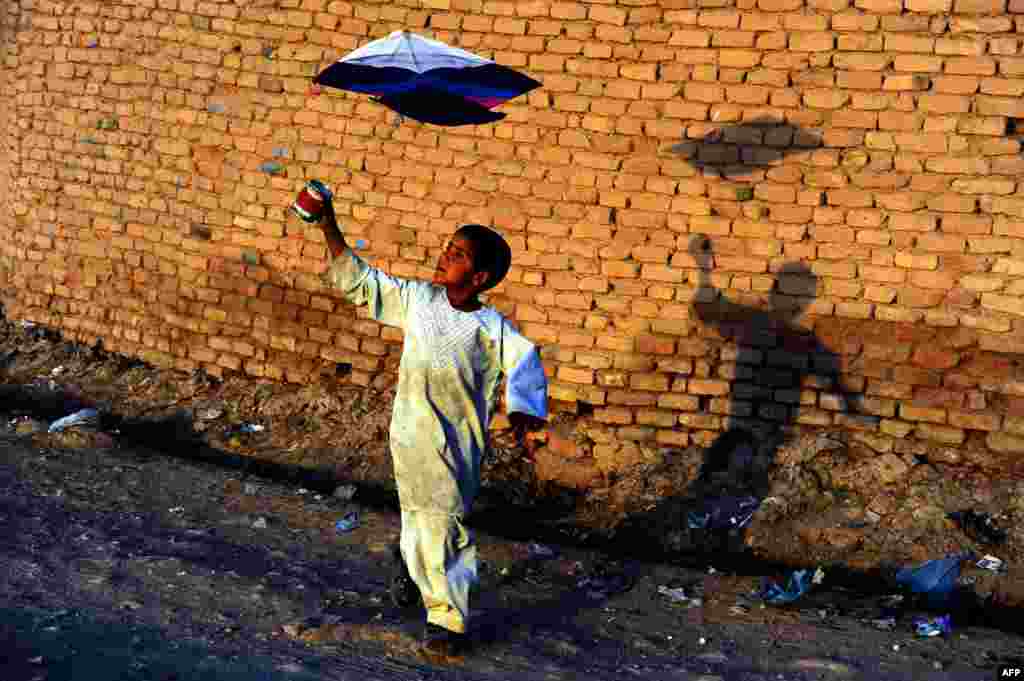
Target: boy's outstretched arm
386	297
335	239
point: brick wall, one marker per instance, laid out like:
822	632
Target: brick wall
855	164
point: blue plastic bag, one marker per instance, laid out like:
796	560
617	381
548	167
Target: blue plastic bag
348	523
935	579
798	584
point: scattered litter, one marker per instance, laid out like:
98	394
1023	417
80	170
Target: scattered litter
702	641
260	523
712	570
675	594
796	586
250	488
937	626
602	587
271	167
79	418
210	414
215	107
36	660
724	513
251	428
935	579
896	647
360	243
345	492
678	595
176	509
884	623
347	523
738	609
980	527
302	490
541	552
992	564
819	576
57	371
315	90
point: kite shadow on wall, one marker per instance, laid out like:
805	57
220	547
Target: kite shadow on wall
738	150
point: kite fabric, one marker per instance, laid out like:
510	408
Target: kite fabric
448	380
427	80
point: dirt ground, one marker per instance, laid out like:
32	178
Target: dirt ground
166	542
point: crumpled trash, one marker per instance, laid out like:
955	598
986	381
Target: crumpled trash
82	417
926	627
723	513
980	527
992	564
540	552
884	623
678	595
348	523
345	492
934	579
251	428
797	585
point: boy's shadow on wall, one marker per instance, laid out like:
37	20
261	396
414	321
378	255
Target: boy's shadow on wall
778	372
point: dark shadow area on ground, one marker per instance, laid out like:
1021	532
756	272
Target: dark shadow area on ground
62	645
735	465
737	150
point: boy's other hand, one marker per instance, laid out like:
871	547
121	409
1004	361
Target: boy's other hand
701	250
523	424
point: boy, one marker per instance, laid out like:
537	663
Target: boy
455	352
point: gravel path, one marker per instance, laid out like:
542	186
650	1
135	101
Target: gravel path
122	563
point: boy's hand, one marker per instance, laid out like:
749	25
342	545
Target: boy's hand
701	250
523	424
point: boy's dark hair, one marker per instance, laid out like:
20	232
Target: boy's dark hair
491	253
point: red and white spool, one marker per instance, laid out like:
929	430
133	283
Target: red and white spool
309	204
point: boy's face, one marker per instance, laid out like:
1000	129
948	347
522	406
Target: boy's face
455	270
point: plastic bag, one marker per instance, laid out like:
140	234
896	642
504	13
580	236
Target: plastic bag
935	579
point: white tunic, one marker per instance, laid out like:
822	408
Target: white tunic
451	369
